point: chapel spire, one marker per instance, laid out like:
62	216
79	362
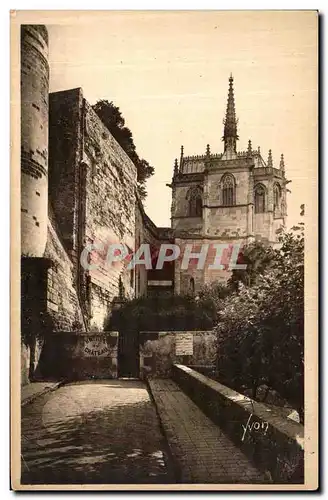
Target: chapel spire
230	135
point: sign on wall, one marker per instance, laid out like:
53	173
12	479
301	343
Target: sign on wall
95	346
184	345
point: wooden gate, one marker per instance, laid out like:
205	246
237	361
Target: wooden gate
128	354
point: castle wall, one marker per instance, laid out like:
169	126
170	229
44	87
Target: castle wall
182	277
214	184
110	216
64	158
233	221
180	209
263	226
62	301
205	274
228	222
93	185
34	139
143	235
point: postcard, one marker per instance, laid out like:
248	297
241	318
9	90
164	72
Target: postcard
164	229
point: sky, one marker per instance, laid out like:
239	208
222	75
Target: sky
168	73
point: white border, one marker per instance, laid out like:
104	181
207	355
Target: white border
5	7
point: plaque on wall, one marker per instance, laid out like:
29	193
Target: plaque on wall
184	345
95	346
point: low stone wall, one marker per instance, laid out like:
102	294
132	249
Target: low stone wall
274	443
160	350
80	355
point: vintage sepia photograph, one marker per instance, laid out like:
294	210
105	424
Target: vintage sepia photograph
164	250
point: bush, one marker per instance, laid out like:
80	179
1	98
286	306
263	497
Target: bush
261	327
170	313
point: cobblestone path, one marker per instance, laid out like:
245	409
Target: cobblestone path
94	432
204	453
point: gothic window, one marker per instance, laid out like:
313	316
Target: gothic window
259	199
195	202
276	197
228	190
199	206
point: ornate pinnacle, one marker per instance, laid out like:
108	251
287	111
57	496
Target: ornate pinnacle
176	167
282	163
249	149
270	162
230	122
208	150
259	150
181	158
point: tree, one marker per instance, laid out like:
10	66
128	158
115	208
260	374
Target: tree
261	325
212	295
113	119
258	257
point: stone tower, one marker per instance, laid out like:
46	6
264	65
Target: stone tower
34	139
225	198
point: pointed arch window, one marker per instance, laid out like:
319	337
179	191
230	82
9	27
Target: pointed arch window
276	197
259	199
228	186
194	198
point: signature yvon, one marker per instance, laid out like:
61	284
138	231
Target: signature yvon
256	425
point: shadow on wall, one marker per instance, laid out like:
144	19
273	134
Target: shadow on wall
79	356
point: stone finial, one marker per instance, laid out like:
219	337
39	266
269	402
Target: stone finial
181	159
208	150
230	122
270	162
249	148
259	150
282	163
176	167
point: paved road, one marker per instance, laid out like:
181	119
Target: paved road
94	432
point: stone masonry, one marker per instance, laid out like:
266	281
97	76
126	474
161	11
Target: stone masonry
79	195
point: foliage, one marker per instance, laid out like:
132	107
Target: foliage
169	313
261	324
111	116
258	257
213	294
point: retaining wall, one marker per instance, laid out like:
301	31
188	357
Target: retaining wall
274	443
